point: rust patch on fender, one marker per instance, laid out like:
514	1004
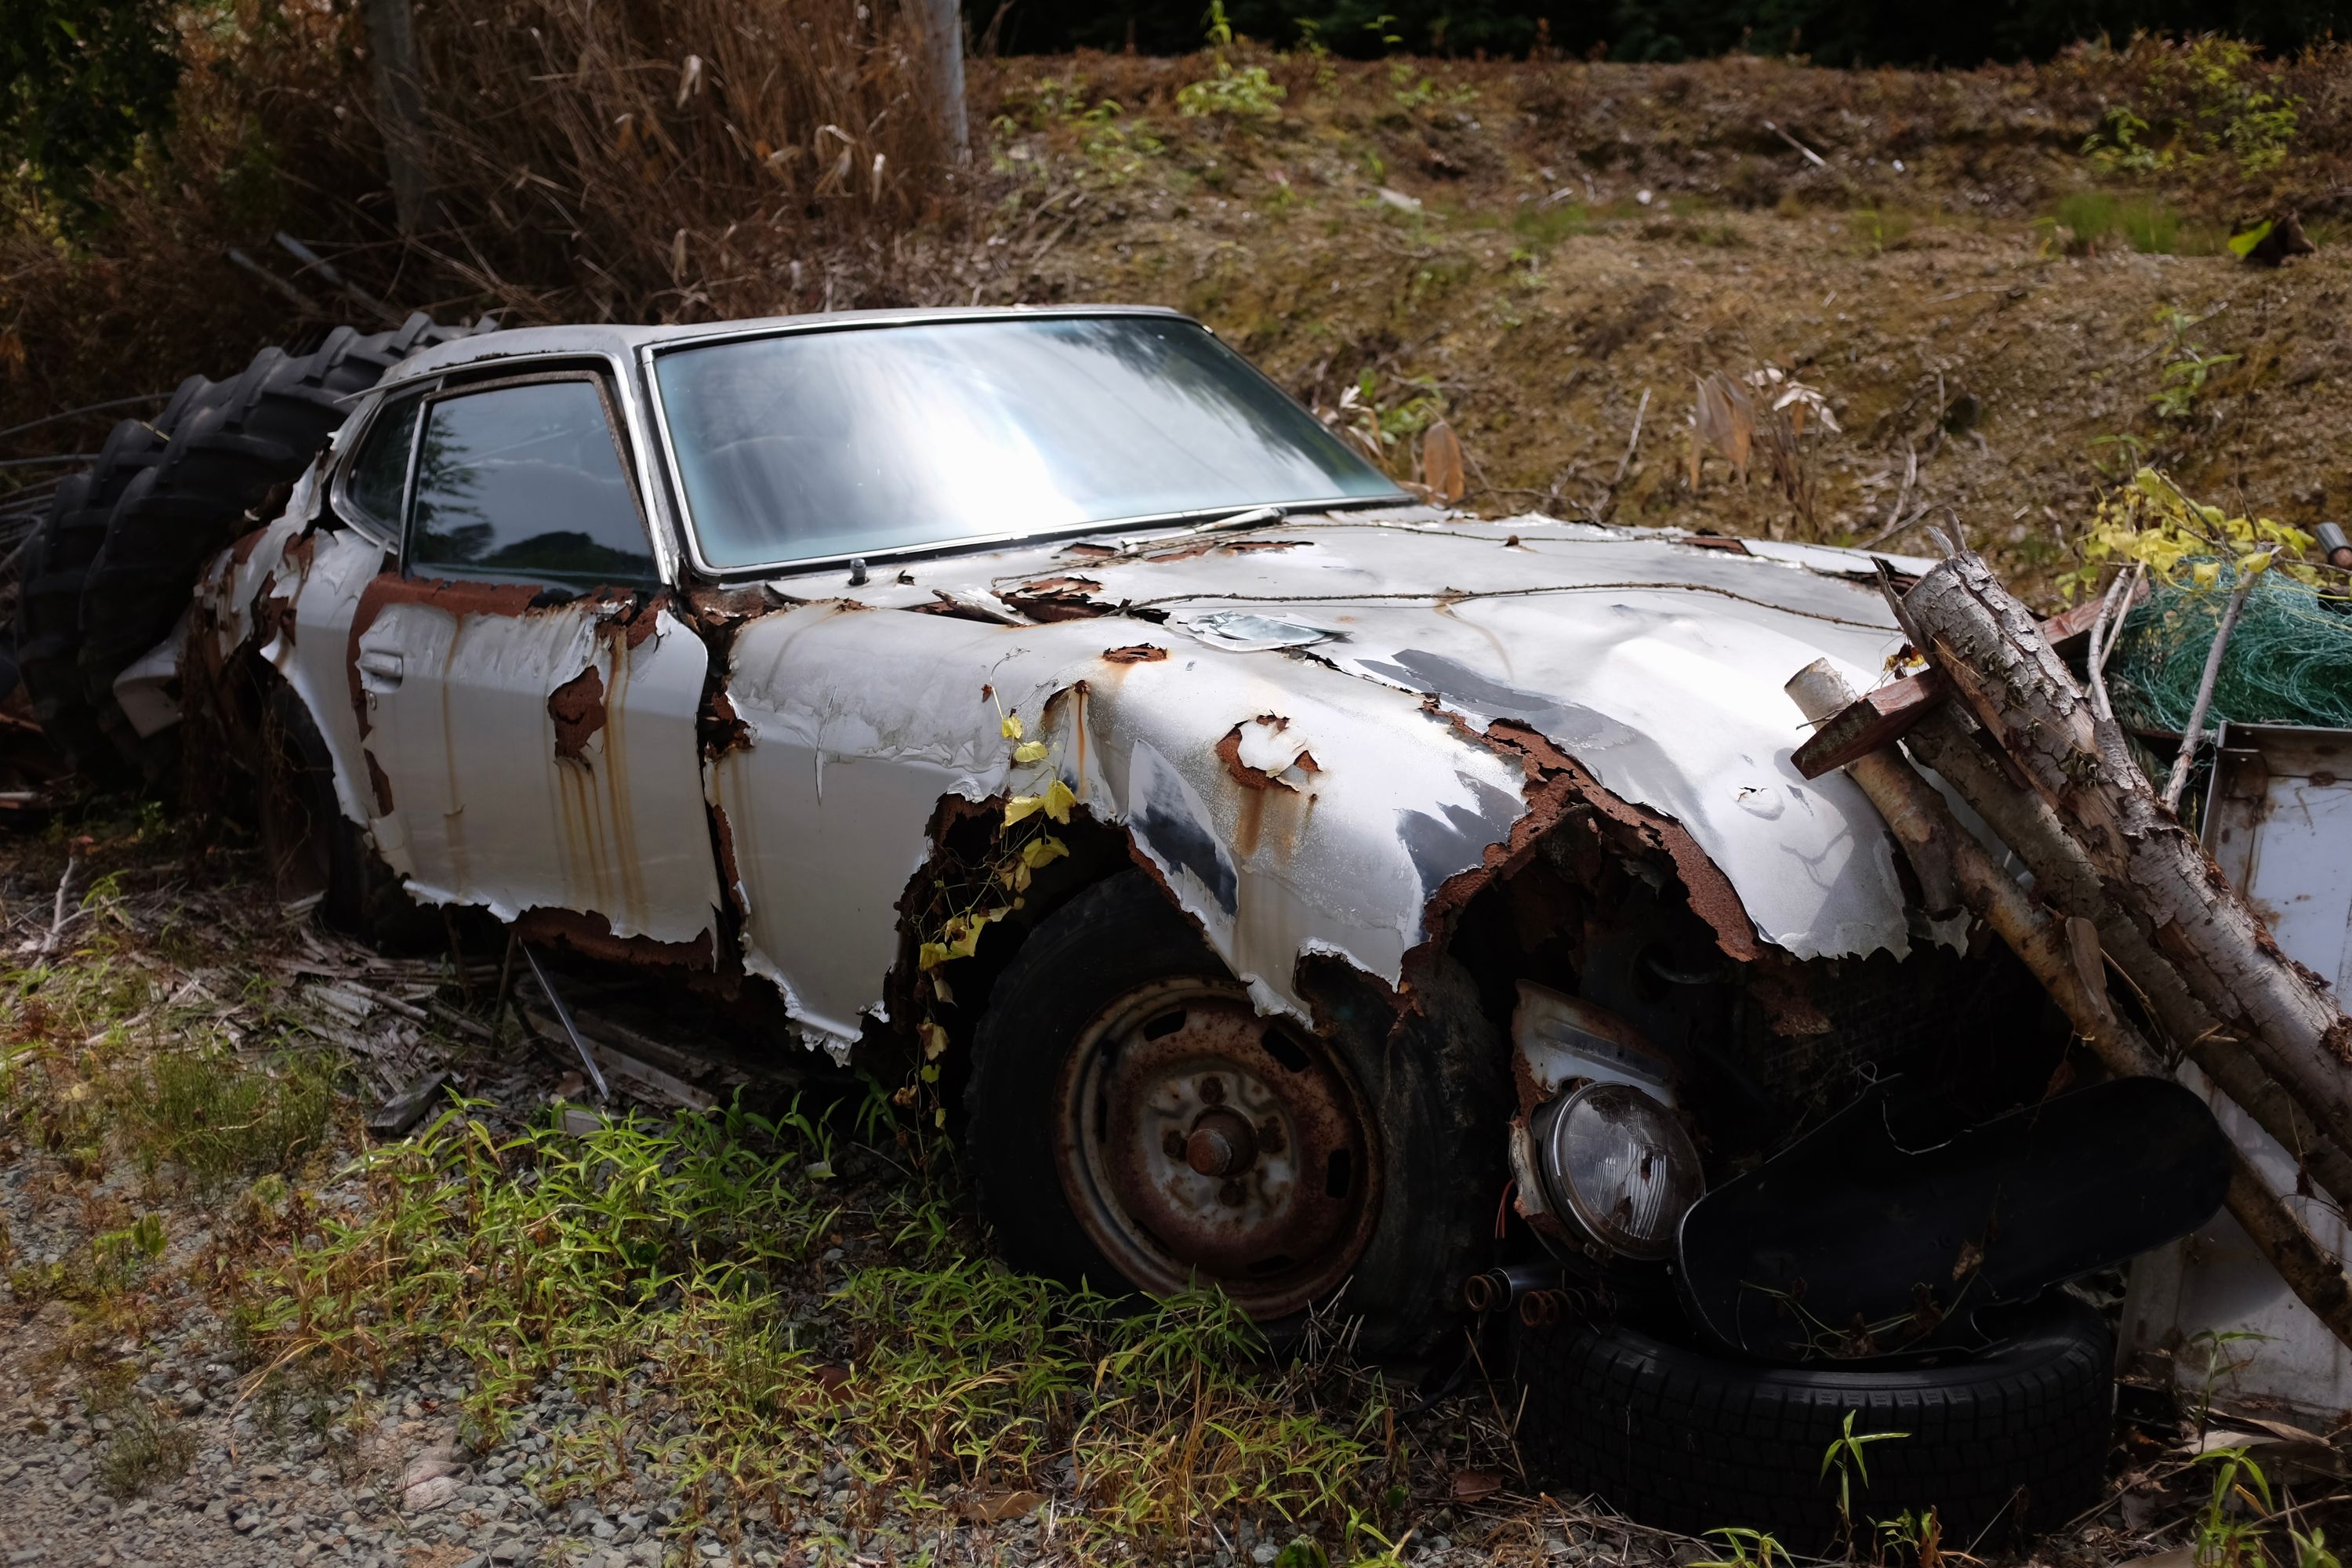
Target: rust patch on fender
578	709
1712	896
722	729
388	589
1556	784
1135	653
1059	598
590	935
1229	752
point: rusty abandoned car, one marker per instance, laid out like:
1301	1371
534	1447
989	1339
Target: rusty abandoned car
1289	886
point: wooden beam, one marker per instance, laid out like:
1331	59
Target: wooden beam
1883	716
1876	719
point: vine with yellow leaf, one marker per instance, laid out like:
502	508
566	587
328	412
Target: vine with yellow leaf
2288	659
1024	844
2149	520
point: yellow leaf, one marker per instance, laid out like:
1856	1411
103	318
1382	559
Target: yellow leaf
932	955
2207	574
939	1116
940	991
1021	805
935	1040
1043	850
1011	726
965	945
929	1074
2253	560
1058	801
1029	752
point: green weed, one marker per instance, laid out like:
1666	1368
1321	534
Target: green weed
2311	1550
1920	1535
2225	1538
1244	94
2202	98
1546	224
1747	1549
2186	366
219	1118
146	1449
682	1266
1844	1455
2089	221
1873	229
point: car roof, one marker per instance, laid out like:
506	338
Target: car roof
624	341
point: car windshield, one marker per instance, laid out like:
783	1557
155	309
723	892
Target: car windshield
860	441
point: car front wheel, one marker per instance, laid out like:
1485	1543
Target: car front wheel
1135	1125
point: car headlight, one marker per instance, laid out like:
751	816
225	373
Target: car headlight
1616	1162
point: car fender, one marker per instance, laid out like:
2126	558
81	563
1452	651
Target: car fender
1289	809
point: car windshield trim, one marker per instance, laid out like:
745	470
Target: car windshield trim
690	535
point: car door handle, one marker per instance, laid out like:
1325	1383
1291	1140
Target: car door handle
380	669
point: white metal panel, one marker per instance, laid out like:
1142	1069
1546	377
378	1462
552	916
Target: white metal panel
2279	823
488	813
860	721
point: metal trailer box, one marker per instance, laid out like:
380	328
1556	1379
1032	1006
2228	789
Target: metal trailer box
2278	820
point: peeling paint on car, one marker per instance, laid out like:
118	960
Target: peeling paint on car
1324	733
501	801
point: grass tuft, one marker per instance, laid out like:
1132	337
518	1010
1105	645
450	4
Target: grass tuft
146	1449
694	1270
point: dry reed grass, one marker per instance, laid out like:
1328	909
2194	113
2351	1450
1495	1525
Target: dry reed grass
681	161
635	160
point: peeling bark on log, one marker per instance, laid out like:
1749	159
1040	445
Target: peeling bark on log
1991	650
2063	874
1938	845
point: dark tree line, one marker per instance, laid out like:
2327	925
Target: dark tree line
1830	32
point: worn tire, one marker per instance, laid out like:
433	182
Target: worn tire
2011	1439
1431	1091
57	566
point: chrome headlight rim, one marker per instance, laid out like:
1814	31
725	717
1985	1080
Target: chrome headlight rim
1550	1125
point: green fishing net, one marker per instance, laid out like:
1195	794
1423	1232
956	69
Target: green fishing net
2289	659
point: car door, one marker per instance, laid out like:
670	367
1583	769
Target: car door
527	698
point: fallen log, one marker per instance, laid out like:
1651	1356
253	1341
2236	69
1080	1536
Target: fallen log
1990	648
1939	846
2064	876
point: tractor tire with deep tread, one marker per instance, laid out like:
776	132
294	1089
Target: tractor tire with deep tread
57	566
2007	1440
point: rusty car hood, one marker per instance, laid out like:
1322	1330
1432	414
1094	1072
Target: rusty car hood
1655	660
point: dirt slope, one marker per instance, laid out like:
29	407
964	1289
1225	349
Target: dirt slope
1528	249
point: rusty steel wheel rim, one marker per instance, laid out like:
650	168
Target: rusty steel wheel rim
1200	1143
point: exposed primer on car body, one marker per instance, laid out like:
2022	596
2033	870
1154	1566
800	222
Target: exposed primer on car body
1645	660
1294	722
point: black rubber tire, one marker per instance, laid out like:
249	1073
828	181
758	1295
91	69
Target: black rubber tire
57	566
2013	1439
1432	1085
260	432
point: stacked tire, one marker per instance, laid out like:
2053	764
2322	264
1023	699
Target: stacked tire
110	569
2008	1442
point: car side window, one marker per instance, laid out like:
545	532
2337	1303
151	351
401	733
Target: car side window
525	480
380	472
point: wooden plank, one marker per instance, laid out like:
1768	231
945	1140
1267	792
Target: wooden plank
1873	720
